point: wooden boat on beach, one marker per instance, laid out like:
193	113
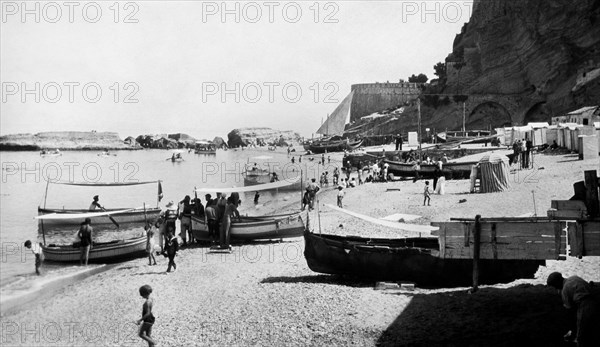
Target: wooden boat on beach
334	146
413	259
256	228
455	170
101	252
136	215
72	217
268	227
471	136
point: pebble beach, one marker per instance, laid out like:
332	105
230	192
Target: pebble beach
264	293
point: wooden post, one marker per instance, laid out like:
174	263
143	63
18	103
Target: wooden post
591	193
476	246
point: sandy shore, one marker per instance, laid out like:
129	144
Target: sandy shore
264	293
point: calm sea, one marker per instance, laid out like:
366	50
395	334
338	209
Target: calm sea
25	175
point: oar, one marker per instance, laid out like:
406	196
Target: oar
111	218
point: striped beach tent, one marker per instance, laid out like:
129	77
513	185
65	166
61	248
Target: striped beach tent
494	173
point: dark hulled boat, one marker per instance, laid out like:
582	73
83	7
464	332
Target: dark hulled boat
414	259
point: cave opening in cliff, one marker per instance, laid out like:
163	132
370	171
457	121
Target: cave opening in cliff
537	113
488	115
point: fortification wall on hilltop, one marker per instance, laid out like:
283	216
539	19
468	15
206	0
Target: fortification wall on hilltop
373	97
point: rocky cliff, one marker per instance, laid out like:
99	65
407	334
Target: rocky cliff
522	61
64	140
260	137
514	62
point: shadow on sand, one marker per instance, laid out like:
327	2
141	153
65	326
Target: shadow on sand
323	279
524	315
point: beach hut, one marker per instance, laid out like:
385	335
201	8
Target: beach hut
538	132
552	134
494	173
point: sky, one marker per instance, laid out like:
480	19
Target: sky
204	68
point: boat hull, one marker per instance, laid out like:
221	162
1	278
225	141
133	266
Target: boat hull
411	259
256	228
136	216
336	146
108	252
455	170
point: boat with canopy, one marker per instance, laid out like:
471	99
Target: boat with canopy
100	252
70	217
267	227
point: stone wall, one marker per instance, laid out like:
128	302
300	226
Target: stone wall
373	97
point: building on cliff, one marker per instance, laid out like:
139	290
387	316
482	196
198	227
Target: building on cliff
373	97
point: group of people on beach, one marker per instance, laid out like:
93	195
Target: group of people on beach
218	214
522	153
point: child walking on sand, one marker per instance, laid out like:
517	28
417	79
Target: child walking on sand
340	196
426	194
147	319
150	244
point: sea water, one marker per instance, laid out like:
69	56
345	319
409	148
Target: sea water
25	187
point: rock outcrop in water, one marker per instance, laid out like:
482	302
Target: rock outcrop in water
64	140
260	137
166	141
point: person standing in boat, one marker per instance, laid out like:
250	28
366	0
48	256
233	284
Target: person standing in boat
230	211
95	204
256	197
184	211
85	235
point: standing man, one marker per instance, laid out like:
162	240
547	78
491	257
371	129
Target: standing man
184	211
95	204
169	216
230	211
528	153
584	298
312	190
210	215
36	249
85	235
398	142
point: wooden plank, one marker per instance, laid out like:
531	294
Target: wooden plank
526	251
442	241
503	229
591	193
567	214
568	205
504	240
591	238
573	244
476	245
494	241
557	239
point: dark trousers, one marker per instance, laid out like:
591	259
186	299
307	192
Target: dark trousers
171	262
212	229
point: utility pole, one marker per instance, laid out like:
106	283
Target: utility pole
464	118
419	123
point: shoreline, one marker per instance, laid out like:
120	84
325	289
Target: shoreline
264	293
